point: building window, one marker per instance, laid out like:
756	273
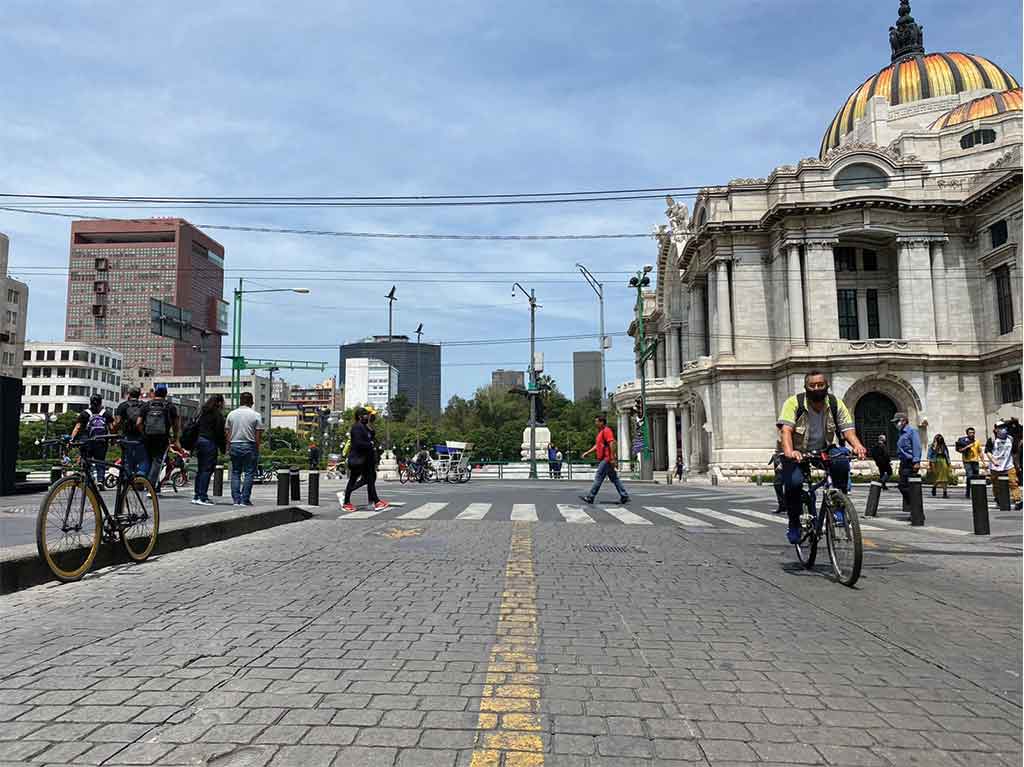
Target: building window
848	327
860	176
1004	299
874	325
60	391
27	356
846	259
975	138
1008	387
39	354
65	354
998	233
870	259
51	355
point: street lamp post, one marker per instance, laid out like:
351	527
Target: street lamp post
533	390
201	348
599	289
387	405
236	335
644	353
419	386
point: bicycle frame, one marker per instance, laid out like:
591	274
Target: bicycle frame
86	468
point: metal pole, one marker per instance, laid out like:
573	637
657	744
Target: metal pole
387	405
647	464
236	347
419	385
533	386
979	505
604	378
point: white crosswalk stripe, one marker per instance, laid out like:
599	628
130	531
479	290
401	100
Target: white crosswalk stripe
738	521
361	514
574	514
681	519
627	517
425	511
524	512
782	519
475	511
898	523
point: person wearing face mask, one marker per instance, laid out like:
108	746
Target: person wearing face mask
908	451
813	422
1000	461
362	462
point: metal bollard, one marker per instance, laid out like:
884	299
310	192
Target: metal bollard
282	487
916	502
668	477
874	496
714	479
55	473
979	505
314	488
1001	490
295	479
218	481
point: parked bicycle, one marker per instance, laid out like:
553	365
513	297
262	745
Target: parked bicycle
74	519
835	518
414	472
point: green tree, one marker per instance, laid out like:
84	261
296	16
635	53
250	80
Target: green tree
399	407
286	439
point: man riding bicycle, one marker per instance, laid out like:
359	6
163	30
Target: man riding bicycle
809	424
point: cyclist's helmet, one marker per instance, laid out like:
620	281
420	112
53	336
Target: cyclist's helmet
95	403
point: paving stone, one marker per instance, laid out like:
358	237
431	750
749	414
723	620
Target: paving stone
307	756
358	756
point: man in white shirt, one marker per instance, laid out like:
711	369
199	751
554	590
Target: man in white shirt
243	430
1000	461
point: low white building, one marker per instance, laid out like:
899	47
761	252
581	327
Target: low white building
367	382
60	377
13	314
187	387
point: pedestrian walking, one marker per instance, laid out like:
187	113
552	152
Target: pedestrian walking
908	451
158	422
880	455
552	460
314	456
95	421
939	471
680	468
604	450
134	458
1000	461
242	433
971	453
212	440
362	462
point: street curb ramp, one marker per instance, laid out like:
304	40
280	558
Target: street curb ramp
21	567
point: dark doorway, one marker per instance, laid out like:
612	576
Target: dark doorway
873	416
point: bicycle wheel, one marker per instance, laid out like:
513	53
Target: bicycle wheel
178	479
845	546
807	548
403	474
110	481
139	521
465	475
69	528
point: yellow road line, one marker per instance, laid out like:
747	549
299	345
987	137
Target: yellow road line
508	727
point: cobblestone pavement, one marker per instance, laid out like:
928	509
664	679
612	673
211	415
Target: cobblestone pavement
440	642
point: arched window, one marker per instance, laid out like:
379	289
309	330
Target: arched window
974	138
873	415
860	176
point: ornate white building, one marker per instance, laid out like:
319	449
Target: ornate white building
891	261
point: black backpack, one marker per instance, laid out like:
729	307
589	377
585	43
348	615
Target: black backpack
833	405
155	423
132	411
190	434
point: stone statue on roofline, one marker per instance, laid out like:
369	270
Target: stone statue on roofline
678	215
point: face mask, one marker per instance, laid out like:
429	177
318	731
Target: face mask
816	395
1001	433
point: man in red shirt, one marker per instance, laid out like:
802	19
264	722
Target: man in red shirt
604	448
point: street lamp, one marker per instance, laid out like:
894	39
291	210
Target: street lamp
236	335
599	289
644	353
419	385
532	391
387	405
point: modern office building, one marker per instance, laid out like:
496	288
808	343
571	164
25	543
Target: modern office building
508	379
366	382
61	376
117	266
13	316
586	375
418	365
188	387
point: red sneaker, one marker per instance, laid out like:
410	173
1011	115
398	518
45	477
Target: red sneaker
381	505
348	507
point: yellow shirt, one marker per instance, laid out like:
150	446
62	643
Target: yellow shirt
972	453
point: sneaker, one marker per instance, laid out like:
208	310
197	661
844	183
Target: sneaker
205	502
1019	506
348	507
195	501
624	500
381	505
248	503
793	535
586	499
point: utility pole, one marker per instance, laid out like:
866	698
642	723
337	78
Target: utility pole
644	353
387	406
599	289
533	391
201	348
419	385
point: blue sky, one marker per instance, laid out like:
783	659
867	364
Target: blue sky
333	98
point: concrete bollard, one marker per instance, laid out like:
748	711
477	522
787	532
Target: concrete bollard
714	479
1001	490
874	496
55	473
979	505
295	480
282	487
314	488
668	477
916	502
218	481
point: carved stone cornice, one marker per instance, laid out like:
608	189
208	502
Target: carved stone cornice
821	243
911	240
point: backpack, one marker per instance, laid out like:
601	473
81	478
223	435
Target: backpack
190	434
132	411
155	422
97	425
833	406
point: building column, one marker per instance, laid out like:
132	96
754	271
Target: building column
795	289
822	300
940	291
698	321
673	351
686	425
724	312
917	305
862	313
673	448
623	438
649	366
661	368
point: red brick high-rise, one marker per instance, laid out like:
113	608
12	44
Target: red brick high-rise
116	266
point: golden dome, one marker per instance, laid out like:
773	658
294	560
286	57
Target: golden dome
986	106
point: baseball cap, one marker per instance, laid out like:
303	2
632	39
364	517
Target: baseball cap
899	417
160	389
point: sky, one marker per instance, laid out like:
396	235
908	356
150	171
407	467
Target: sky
260	98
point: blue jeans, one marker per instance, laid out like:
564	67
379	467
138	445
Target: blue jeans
157	451
973	471
243	461
206	456
793	480
135	458
605	469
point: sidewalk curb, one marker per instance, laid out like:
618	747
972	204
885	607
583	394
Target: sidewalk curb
21	567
